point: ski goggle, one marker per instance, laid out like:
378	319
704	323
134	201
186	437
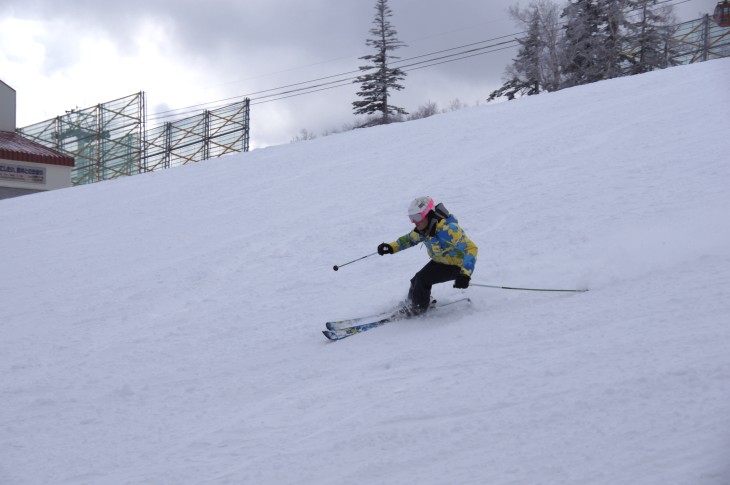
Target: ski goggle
419	216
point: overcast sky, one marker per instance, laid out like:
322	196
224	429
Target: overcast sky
60	55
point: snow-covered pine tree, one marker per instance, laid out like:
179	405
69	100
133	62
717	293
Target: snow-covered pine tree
537	65
379	79
523	76
649	33
582	43
551	55
612	49
601	39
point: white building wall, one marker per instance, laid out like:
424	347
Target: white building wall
7	107
22	177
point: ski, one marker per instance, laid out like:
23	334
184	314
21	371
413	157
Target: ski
340	333
350	322
337	332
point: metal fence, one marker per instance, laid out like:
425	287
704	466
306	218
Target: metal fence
701	40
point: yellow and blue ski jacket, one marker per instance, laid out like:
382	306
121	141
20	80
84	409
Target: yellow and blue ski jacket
448	245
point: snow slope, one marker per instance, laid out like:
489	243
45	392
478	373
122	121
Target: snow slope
165	328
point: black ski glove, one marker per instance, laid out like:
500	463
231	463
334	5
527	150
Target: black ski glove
385	248
462	281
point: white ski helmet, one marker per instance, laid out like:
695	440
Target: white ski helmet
419	208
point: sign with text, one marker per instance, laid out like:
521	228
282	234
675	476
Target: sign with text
22	173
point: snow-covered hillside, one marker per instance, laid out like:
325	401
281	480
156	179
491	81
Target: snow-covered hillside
165	328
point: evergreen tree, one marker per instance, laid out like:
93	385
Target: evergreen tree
582	43
611	54
650	31
379	78
523	76
602	39
537	65
551	53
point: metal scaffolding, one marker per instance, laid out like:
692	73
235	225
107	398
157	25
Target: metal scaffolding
106	140
213	133
110	140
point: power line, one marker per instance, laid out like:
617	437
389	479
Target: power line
194	108
339	81
410	65
349	82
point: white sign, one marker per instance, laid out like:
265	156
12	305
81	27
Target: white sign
23	173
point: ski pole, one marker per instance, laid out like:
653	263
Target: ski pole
525	289
336	267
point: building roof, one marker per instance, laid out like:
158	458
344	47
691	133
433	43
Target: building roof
15	147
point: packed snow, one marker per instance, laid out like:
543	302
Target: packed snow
166	328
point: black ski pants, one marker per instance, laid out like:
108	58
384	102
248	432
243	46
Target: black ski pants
420	293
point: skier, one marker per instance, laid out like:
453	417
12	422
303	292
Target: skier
453	254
